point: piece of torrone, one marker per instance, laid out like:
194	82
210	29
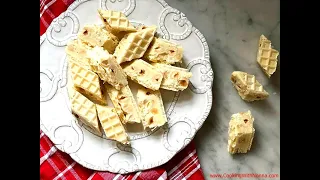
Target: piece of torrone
70	86
163	51
241	132
77	51
84	110
248	87
106	66
151	108
174	78
267	56
87	82
116	20
124	103
95	35
76	48
134	45
111	124
143	73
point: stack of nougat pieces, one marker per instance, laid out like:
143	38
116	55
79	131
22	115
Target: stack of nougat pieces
100	61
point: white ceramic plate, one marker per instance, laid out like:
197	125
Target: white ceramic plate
186	111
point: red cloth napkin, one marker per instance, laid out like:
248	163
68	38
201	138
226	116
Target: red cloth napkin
56	165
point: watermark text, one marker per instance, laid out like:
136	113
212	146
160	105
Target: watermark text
244	175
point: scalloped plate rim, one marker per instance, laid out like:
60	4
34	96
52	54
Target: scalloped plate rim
169	157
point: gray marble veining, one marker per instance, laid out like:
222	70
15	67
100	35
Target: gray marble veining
232	29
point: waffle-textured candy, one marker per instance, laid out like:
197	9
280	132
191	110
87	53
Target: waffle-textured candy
267	56
134	45
111	124
107	68
241	132
116	20
95	35
125	104
143	73
248	87
82	62
163	51
87	82
85	110
174	78
151	108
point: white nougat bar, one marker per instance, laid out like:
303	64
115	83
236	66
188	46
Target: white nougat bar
143	73
174	78
151	108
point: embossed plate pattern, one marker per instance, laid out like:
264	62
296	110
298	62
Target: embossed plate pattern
186	110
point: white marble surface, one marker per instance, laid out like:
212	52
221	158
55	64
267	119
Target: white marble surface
232	29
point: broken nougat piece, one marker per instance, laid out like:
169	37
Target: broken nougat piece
116	20
248	87
77	51
76	48
111	124
134	45
143	73
241	132
163	51
174	78
267	56
95	35
84	110
125	104
87	83
106	66
151	108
